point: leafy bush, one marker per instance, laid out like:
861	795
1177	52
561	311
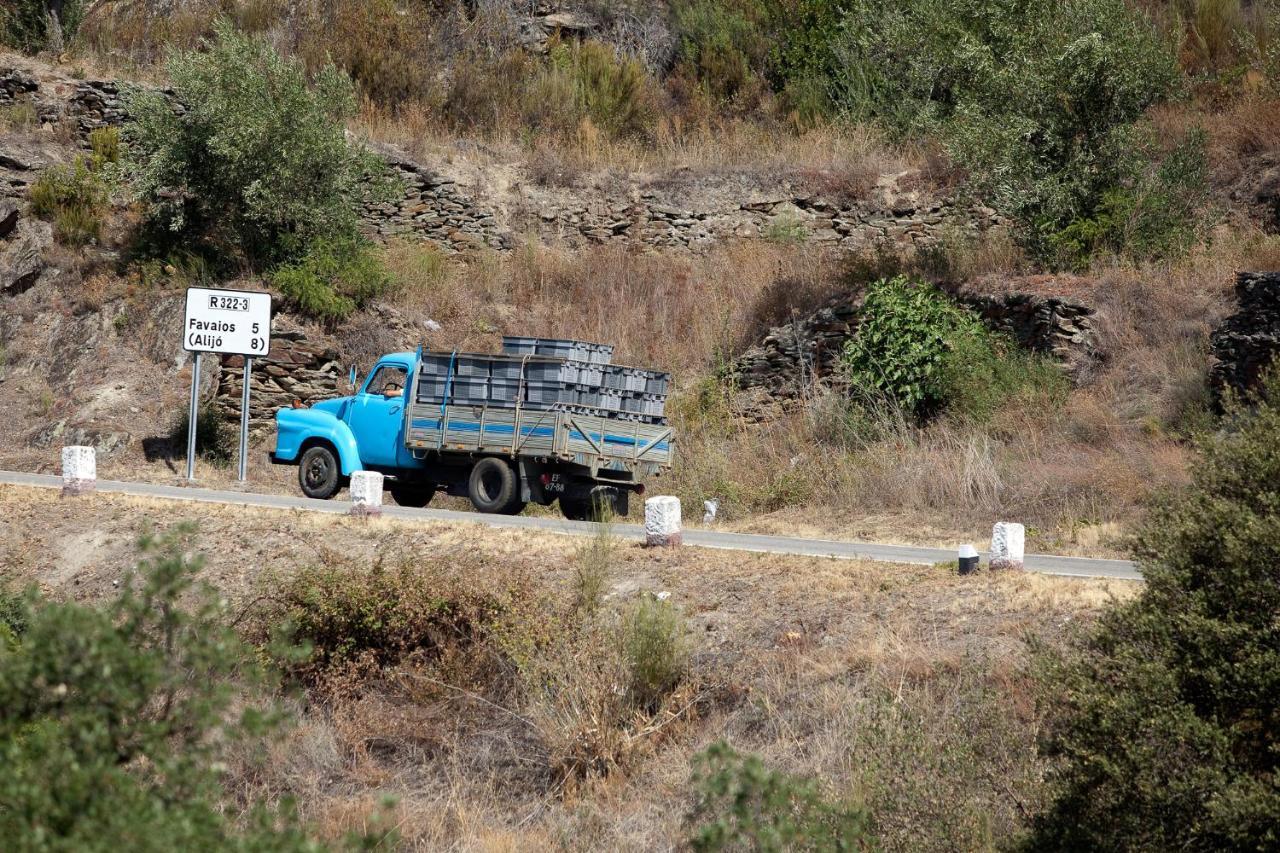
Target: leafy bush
655	648
259	158
1164	718
614	92
74	198
743	804
333	278
113	721
104	143
374	42
922	352
24	24
1037	100
724	44
216	440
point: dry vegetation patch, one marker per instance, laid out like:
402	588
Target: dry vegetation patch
499	707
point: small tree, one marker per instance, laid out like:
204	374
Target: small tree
33	25
1166	718
256	156
112	720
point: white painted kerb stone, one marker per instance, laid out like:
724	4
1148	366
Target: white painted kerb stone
1008	542
662	521
366	493
79	470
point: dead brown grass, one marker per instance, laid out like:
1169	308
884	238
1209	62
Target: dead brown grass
898	687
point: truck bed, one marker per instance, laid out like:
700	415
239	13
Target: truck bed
593	442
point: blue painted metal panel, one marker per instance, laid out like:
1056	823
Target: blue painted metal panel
295	426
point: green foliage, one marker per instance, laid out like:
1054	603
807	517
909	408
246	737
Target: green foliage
104	143
742	804
1038	99
216	440
333	278
377	615
655	648
614	92
24	24
725	44
925	354
1164	717
74	198
1154	215
113	721
258	159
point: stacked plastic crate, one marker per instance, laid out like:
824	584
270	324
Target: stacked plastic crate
546	373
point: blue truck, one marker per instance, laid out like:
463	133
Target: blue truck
427	433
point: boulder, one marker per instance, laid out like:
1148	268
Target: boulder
22	257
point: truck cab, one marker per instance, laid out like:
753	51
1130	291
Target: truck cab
364	432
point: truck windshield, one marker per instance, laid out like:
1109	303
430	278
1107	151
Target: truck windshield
388	381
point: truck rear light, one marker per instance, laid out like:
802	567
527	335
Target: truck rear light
297	404
545	479
639	488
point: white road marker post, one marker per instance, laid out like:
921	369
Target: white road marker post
79	470
366	494
1008	543
662	522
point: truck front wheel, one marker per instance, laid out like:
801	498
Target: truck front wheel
492	487
319	474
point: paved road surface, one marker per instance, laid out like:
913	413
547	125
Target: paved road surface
1069	566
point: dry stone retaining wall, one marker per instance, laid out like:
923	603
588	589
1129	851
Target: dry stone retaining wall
795	358
1248	341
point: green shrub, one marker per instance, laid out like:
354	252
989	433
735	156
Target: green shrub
104	143
725	44
333	278
74	198
1163	719
216	440
656	649
259	158
614	92
922	352
742	804
1038	100
113	721
24	24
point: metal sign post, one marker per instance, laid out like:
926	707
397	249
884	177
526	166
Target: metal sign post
244	422
191	418
227	322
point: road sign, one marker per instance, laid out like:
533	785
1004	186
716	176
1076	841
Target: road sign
230	322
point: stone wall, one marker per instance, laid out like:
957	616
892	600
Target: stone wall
1248	341
798	358
297	368
696	216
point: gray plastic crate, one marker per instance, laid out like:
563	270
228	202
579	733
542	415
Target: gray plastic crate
536	368
504	392
633	404
471	365
614	378
549	393
588	374
654	405
657	382
610	399
635	379
434	364
513	345
469	391
586	395
600	353
431	390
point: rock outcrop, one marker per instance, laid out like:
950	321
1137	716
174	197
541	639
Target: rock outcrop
1248	341
796	359
23	242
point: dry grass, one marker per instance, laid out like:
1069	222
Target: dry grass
899	687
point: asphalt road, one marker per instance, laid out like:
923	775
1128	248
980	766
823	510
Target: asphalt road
1082	567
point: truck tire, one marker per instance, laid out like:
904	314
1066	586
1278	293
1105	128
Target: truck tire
319	473
492	486
416	495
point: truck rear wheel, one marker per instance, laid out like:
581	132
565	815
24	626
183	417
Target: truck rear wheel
416	495
319	473
492	486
